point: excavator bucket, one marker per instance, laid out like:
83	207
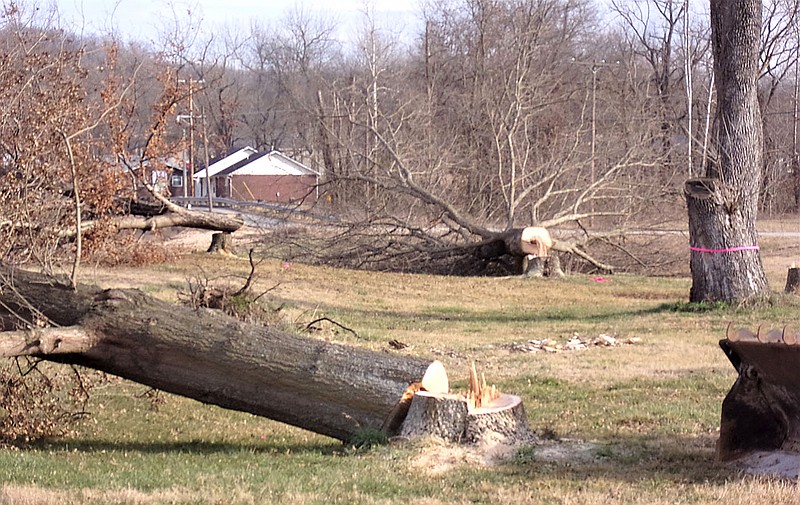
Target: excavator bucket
762	410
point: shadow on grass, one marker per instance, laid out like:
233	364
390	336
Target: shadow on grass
629	459
195	447
518	314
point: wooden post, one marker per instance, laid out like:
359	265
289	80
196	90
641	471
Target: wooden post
554	266
792	280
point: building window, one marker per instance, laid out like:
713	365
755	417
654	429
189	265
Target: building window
177	181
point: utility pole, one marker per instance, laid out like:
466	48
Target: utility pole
190	116
594	67
191	135
205	148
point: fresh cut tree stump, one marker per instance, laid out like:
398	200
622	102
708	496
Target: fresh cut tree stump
438	415
792	280
483	416
450	417
501	421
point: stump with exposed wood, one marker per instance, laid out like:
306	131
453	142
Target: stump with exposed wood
535	266
482	416
792	280
331	389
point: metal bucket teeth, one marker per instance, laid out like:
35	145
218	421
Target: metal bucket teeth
740	334
790	336
762	409
770	336
763	334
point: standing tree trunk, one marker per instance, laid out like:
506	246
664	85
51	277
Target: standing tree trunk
722	207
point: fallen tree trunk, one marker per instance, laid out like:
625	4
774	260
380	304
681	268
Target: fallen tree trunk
327	388
174	216
531	248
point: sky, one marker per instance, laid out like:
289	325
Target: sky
143	20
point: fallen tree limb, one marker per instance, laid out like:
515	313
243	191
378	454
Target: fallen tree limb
181	217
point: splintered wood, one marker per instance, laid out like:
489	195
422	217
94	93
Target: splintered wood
479	394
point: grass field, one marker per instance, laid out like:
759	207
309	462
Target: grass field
631	424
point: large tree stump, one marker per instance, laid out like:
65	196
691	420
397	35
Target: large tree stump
450	417
502	420
439	415
221	243
792	280
483	416
531	266
553	267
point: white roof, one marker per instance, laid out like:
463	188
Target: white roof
226	162
275	163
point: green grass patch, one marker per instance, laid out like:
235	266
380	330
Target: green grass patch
631	424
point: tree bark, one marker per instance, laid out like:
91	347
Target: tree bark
722	207
327	388
182	217
450	417
221	243
792	280
724	261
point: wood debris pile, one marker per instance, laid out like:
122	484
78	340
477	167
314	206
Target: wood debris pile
576	343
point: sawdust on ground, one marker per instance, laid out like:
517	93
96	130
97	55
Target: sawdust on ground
438	457
780	464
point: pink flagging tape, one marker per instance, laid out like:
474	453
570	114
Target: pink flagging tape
728	250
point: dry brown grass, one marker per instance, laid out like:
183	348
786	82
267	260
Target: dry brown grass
638	422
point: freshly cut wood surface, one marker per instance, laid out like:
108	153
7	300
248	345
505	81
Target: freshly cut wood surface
435	379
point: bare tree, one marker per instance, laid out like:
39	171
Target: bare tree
287	63
485	131
778	57
67	166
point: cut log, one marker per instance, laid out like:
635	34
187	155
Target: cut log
792	280
179	217
327	388
534	241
